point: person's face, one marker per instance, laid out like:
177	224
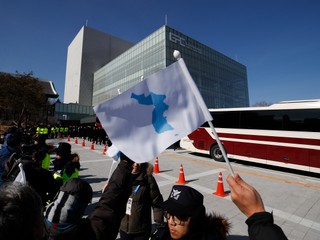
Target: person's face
136	168
178	227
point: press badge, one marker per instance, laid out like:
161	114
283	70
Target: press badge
129	205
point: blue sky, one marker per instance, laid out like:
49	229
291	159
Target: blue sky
278	40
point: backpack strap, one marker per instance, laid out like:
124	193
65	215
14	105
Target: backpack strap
9	165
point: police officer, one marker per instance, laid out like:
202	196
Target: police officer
66	164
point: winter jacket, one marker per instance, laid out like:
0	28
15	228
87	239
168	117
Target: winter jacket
145	195
213	227
43	182
5	154
104	221
44	149
261	227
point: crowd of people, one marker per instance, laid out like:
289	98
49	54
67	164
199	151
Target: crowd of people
87	132
32	210
36	161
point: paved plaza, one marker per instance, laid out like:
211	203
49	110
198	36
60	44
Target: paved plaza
294	199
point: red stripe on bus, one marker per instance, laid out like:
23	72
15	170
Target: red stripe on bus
306	141
203	134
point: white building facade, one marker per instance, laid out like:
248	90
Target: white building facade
88	52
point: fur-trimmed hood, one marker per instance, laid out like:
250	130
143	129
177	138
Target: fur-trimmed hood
217	226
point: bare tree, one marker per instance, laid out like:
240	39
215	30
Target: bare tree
21	96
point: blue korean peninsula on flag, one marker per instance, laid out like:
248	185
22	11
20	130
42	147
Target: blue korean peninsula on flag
146	119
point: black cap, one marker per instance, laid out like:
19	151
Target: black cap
182	201
63	148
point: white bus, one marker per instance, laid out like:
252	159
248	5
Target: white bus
286	134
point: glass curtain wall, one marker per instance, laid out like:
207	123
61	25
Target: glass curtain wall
140	61
221	80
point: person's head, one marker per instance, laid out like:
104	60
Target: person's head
12	129
38	157
70	203
14	141
21	215
39	139
63	150
184	211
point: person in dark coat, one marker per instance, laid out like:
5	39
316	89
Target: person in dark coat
260	223
187	218
22	217
64	216
11	131
66	164
40	145
41	179
13	146
136	224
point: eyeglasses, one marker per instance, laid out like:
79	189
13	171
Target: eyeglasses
177	220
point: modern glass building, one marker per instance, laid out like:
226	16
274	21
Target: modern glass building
221	80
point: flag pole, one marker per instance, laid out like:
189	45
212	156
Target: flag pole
114	161
177	56
221	148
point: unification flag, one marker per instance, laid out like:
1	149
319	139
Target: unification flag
146	119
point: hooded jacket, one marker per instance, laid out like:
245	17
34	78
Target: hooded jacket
5	154
145	195
103	222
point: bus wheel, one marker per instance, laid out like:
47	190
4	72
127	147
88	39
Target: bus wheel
216	153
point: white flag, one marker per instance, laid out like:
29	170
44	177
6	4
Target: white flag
149	117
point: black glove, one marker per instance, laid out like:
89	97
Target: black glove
159	230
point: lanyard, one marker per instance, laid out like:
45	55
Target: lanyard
136	189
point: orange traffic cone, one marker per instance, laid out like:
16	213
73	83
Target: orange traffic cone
83	143
68	138
104	150
92	146
220	189
76	140
156	166
181	176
